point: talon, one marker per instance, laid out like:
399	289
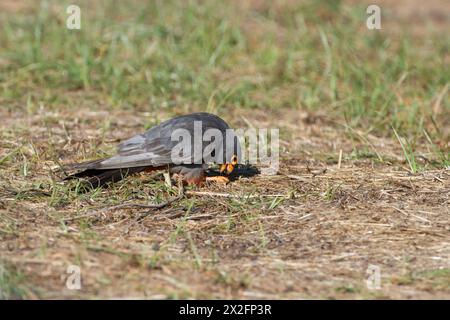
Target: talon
218	179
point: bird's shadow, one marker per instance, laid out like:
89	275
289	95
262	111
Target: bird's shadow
242	171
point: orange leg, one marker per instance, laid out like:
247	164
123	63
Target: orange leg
198	181
218	179
201	180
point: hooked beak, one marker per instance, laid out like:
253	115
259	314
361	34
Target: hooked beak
226	168
229	167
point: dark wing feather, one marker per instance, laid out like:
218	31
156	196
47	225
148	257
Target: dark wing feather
99	177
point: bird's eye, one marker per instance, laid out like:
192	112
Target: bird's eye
234	160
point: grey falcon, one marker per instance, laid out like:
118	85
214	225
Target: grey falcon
154	150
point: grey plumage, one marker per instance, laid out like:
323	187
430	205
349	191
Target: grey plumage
153	149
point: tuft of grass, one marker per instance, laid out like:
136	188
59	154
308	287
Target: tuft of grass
442	156
433	279
12	282
348	288
408	152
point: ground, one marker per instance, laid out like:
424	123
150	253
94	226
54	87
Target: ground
364	178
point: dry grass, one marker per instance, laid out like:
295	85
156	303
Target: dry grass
345	197
305	233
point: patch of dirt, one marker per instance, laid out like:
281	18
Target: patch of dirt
309	232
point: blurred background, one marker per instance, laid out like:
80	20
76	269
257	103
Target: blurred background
214	55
